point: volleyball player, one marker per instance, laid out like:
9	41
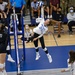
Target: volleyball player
3	45
71	62
38	34
3	19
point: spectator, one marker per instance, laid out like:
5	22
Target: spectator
59	16
3	5
35	9
19	8
54	5
27	33
71	19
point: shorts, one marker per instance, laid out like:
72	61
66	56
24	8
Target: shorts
3	48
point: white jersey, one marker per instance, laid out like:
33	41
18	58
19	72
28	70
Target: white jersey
41	28
3	5
71	67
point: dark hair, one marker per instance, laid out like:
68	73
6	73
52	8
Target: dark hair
72	56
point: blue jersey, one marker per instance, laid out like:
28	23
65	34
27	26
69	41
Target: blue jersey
17	3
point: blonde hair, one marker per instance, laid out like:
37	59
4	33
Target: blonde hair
28	28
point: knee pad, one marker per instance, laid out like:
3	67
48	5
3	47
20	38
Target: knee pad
45	49
36	47
1	66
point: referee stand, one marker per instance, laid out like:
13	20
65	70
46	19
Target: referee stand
16	33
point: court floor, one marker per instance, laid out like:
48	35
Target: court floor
42	67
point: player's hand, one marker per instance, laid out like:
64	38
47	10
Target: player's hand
62	70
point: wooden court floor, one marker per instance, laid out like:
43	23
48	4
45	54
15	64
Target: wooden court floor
65	38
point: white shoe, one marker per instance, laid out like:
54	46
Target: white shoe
50	58
4	72
37	57
10	59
